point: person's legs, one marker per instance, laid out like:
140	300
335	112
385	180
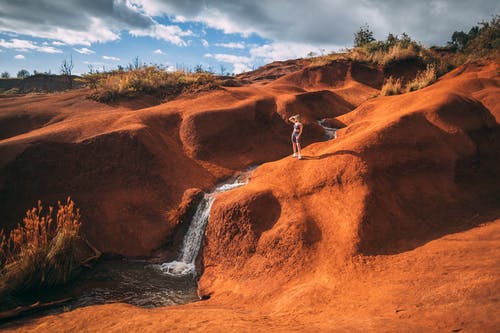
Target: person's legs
293	146
298	150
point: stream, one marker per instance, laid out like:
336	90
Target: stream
330	132
185	263
138	283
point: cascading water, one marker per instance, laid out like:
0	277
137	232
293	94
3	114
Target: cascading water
330	132
185	263
139	283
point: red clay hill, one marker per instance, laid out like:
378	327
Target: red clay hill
392	227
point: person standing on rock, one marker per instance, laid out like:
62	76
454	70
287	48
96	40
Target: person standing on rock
297	131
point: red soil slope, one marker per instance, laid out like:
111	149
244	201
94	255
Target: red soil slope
405	170
447	285
352	238
130	167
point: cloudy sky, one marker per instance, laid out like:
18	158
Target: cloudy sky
230	35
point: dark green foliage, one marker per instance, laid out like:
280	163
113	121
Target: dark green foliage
480	40
403	42
487	38
363	36
22	74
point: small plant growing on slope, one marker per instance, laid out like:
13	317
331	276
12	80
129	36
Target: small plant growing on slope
423	79
391	87
40	252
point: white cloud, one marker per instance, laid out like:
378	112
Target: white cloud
240	63
20	57
217	19
94	63
17	44
268	53
48	49
231	58
205	43
241	67
84	50
26	45
320	22
76	22
179	19
232	45
95	31
158	51
169	33
111	58
283	51
57	43
171	68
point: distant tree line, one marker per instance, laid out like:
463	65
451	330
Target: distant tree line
480	39
23	73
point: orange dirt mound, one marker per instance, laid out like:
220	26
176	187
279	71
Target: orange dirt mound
374	231
64	144
274	70
447	285
399	175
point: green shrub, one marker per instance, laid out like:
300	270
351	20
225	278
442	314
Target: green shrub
486	41
481	42
363	36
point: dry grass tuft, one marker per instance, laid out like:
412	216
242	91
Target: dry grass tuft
327	58
391	87
423	79
40	252
384	57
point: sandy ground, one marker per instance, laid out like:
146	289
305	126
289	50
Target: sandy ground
450	284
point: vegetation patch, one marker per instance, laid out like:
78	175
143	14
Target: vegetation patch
152	80
423	79
391	87
42	251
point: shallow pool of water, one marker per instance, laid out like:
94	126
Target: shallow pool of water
110	281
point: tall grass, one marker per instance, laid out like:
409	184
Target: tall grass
151	80
391	87
386	56
40	252
423	79
327	58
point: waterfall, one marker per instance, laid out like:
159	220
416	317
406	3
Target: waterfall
330	133
185	263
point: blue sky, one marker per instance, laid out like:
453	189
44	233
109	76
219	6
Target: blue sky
237	35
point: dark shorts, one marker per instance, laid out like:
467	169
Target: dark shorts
295	137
